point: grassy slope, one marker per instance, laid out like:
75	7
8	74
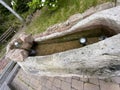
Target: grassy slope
67	8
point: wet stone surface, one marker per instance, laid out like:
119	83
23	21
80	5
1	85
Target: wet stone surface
69	42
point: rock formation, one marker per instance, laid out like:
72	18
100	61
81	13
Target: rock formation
98	59
17	49
94	59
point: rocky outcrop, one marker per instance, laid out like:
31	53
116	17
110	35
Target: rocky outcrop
91	59
95	59
17	49
26	38
17	55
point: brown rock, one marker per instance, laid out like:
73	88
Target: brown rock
27	38
10	46
89	12
95	59
98	8
24	40
75	18
17	55
26	46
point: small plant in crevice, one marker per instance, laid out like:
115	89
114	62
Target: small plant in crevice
38	4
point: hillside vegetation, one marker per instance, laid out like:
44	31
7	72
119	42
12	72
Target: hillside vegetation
65	10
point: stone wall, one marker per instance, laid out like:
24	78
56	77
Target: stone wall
94	59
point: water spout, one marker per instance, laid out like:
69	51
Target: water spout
11	10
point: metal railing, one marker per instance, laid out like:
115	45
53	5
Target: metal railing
8	75
7	34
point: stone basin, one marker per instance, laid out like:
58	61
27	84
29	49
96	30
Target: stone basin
60	53
71	41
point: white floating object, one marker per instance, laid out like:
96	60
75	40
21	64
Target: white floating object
83	40
16	44
102	37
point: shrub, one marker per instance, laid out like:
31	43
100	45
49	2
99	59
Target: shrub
38	4
20	5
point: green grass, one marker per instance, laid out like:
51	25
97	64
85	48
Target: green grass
66	9
2	50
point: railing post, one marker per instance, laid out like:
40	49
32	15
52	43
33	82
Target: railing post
11	10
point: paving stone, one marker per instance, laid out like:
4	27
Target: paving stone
33	83
116	79
24	74
75	77
23	88
5	87
109	86
66	86
25	79
59	89
57	83
51	79
34	76
48	77
84	79
73	89
61	78
40	81
29	88
44	77
94	81
18	75
43	81
15	84
36	83
54	88
3	63
44	88
21	85
88	86
68	79
39	87
60	83
49	84
77	84
21	75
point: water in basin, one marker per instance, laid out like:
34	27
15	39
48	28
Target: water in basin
71	41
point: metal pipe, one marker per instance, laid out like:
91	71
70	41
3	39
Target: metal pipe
11	10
